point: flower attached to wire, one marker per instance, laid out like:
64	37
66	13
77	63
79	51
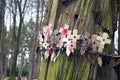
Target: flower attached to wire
51	50
64	30
47	31
72	47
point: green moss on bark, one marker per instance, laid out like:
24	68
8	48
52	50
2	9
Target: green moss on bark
78	68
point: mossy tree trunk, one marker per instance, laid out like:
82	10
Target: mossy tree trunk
86	16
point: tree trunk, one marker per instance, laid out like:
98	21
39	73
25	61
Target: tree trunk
12	76
119	38
87	16
14	56
37	61
2	12
119	27
32	69
21	67
18	5
2	36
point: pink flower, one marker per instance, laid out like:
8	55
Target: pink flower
72	46
64	32
48	31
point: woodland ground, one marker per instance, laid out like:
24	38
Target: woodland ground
23	78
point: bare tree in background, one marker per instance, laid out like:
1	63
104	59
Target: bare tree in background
2	36
16	36
37	58
119	27
33	61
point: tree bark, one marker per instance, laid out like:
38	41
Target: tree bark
12	76
86	16
119	27
17	38
2	36
119	38
2	12
21	66
33	69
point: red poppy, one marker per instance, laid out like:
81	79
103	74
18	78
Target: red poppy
51	50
